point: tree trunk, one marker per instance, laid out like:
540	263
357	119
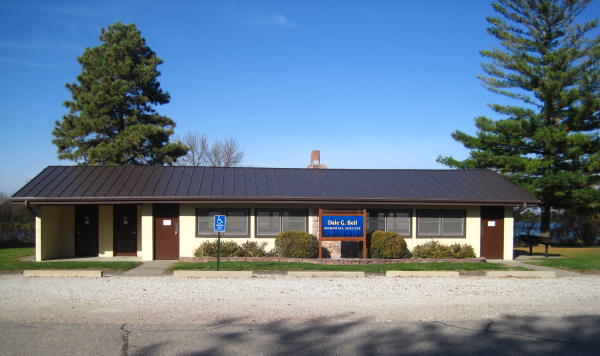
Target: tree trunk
545	222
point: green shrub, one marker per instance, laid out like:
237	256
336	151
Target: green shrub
387	245
253	249
434	249
296	244
209	249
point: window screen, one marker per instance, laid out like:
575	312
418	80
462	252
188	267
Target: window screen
453	222
205	218
441	222
237	221
376	221
398	221
268	222
293	219
390	220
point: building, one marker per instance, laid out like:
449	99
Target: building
166	212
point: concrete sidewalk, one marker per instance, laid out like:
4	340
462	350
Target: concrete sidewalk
559	272
150	269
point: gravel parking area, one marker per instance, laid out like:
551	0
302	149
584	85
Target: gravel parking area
122	299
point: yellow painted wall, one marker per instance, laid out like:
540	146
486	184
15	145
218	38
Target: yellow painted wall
54	232
105	231
146	230
472	228
188	241
68	230
509	223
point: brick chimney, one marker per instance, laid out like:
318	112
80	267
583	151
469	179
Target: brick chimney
315	160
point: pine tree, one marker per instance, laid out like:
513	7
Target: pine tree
112	118
550	144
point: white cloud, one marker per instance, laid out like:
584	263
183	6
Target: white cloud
279	20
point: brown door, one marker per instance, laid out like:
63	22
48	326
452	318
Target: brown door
86	230
492	231
166	231
125	224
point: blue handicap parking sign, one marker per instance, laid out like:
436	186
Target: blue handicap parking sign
220	222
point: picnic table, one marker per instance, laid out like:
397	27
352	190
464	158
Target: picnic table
535	240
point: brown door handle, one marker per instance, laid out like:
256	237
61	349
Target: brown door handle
177	228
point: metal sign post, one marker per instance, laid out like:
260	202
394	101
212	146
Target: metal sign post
219	226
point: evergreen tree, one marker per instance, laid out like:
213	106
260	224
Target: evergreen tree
112	118
550	144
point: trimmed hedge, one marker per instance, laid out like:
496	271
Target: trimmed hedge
231	249
388	245
296	244
434	249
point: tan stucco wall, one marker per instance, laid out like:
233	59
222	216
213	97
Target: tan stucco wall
146	231
68	230
188	241
509	223
54	232
105	231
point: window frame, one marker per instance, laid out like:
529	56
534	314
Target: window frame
223	211
268	236
440	224
410	220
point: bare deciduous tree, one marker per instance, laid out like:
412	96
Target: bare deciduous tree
221	153
225	153
198	150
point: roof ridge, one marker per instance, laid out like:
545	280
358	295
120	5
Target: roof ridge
294	168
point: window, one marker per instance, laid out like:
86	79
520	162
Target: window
441	223
390	220
237	222
270	222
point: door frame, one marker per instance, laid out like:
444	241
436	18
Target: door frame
492	213
172	214
77	210
115	223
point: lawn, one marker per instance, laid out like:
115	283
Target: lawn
299	266
9	260
583	259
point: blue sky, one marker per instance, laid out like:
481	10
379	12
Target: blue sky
372	84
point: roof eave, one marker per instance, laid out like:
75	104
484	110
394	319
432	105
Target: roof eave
269	200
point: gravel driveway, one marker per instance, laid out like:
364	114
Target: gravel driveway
170	300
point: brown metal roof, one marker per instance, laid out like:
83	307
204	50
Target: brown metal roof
80	184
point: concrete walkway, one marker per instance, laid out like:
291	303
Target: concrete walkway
150	269
559	272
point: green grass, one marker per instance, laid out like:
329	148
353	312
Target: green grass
582	259
9	260
299	266
574	263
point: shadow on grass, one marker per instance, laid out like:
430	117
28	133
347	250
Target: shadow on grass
575	335
517	253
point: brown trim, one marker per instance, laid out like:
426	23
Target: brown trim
268	200
224	235
464	234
